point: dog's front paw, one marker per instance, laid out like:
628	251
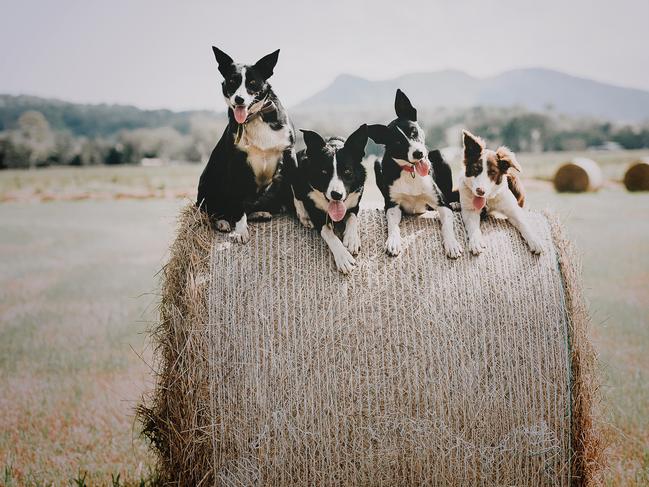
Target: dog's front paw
352	241
393	245
223	226
453	248
345	262
241	236
535	245
476	245
305	220
260	216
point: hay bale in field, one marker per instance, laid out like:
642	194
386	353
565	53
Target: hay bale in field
578	175
636	177
276	370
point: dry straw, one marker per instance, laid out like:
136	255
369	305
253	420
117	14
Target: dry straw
577	176
636	177
276	370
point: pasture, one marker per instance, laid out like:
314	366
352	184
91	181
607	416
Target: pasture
79	252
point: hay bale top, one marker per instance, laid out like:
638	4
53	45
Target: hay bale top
578	175
636	177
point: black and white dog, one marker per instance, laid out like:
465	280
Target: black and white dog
244	174
407	180
327	187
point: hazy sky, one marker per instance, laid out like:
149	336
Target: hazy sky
157	54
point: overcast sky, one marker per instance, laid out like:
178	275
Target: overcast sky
156	53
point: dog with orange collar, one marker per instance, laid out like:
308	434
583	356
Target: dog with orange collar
411	179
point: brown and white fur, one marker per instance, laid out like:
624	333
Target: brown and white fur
492	175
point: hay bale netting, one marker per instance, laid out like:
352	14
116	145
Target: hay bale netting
636	177
276	370
578	175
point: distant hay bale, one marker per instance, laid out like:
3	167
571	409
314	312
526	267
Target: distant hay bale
276	370
636	177
578	175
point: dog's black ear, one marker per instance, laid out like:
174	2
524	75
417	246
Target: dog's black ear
403	107
379	133
313	140
266	64
225	61
356	142
473	146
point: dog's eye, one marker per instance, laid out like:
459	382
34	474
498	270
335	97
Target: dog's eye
253	84
324	172
347	172
413	133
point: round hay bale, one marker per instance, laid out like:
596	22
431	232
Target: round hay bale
276	370
577	176
636	177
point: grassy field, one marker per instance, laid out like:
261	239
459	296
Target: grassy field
78	289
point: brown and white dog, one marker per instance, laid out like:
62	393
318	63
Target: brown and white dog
490	182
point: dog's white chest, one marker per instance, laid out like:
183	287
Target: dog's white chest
260	135
264	147
413	195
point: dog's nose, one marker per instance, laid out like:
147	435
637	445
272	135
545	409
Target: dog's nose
335	195
238	100
418	154
479	191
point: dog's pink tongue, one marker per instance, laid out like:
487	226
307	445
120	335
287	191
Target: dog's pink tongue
422	167
240	114
337	210
479	202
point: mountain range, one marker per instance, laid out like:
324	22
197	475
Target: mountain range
535	89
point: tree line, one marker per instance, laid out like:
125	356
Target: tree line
34	138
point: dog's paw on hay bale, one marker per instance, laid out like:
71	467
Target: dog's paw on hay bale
636	177
276	370
578	175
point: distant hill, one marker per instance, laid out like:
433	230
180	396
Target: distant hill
351	99
534	89
92	120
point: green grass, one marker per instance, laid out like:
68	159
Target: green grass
78	290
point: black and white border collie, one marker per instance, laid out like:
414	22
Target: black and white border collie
408	181
490	183
243	176
327	186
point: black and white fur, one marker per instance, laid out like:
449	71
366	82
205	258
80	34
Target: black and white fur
331	170
405	144
244	175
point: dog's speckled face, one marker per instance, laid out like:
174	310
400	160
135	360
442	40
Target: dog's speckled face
335	166
243	85
403	138
485	169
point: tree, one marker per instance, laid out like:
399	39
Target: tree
34	131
